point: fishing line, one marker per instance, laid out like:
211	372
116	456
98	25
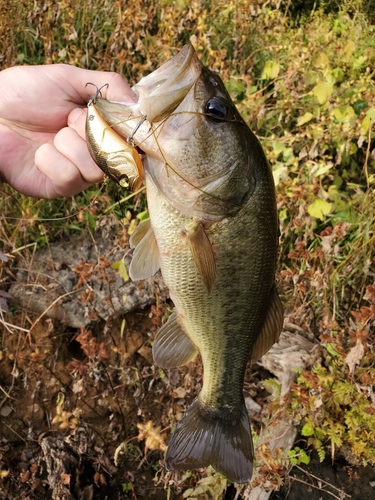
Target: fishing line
152	133
173	170
85	208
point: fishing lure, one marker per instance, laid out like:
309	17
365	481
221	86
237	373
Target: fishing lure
118	158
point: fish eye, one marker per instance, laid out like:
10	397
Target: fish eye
217	109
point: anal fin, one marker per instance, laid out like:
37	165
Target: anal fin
146	257
272	326
201	440
203	254
172	347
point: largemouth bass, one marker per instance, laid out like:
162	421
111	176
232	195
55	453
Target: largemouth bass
213	232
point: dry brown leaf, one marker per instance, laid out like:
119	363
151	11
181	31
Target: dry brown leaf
354	356
179	392
154	440
146	352
65	478
133	342
25	476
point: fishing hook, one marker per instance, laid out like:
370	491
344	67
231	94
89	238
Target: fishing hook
98	92
130	138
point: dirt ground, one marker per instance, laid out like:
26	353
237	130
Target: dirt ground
84	412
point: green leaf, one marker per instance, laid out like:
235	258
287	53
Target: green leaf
279	172
115	266
119	266
142	216
319	209
123	271
359	105
307	430
323	169
322	91
320	60
321	454
343	113
353	148
304	458
278	147
305	118
236	87
311	78
344	216
371	113
272	387
270	71
365	124
338	75
358	62
288	155
251	89
330	347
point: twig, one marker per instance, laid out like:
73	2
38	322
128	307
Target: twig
8	395
321	480
88	38
313	486
124	199
13	326
24	247
50	306
14	432
367	156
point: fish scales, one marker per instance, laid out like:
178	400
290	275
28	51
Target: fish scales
213	232
213	320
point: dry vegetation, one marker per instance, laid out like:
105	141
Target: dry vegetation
85	407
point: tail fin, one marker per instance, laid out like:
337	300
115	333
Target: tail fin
200	441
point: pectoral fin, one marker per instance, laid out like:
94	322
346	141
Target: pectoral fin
272	326
139	232
172	347
146	257
203	254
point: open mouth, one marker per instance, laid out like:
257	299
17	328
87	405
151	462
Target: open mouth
162	91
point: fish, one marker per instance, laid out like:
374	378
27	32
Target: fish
213	233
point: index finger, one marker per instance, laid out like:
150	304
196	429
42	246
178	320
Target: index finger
113	86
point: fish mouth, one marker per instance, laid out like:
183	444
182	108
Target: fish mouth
162	91
159	95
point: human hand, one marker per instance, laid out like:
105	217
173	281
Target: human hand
43	152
